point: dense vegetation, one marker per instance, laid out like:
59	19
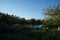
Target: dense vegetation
10	19
15	28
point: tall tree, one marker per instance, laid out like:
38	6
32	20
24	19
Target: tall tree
53	16
52	11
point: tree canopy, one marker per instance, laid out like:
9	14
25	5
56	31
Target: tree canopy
11	19
52	16
52	11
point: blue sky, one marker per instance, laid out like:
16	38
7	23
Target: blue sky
26	8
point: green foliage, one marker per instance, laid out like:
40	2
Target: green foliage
53	17
10	19
9	23
28	33
13	28
52	12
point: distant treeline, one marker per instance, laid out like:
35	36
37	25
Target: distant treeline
11	19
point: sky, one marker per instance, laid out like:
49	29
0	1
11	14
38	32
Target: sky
26	8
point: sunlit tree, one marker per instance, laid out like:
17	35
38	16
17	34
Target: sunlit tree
52	16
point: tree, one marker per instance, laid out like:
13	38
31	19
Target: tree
53	16
33	21
52	11
38	22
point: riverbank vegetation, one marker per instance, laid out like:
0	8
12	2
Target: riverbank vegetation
16	28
